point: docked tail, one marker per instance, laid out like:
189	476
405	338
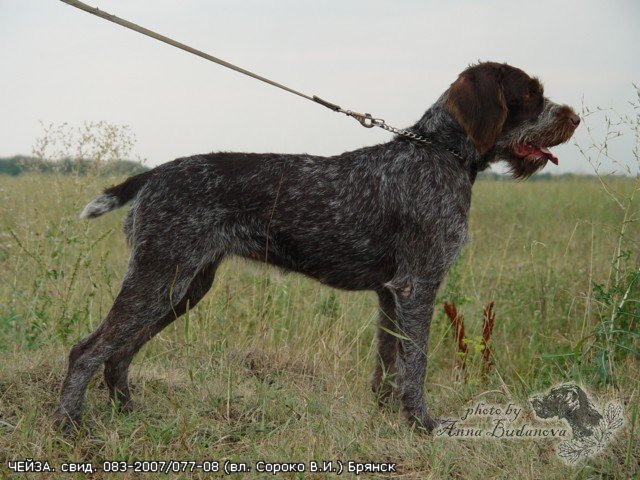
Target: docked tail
116	196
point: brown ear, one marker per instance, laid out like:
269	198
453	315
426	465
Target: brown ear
476	100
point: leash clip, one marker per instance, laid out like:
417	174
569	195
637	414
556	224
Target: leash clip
366	119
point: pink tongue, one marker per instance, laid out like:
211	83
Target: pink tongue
550	155
529	152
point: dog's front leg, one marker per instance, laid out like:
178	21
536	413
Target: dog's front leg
414	308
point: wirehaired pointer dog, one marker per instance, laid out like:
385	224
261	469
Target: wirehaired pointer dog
389	218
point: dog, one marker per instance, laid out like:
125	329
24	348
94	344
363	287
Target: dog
389	218
568	402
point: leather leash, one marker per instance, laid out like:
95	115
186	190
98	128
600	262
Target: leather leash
365	119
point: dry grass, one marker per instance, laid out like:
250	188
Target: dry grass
277	367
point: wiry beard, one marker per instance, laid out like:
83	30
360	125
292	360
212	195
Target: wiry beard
522	169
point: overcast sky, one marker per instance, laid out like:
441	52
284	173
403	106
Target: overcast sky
390	58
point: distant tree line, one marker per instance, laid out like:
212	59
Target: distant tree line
19	164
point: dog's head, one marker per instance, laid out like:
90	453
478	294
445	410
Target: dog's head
507	117
568	402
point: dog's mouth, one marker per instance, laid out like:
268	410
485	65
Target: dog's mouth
533	153
538	407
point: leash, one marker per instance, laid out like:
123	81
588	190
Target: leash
365	119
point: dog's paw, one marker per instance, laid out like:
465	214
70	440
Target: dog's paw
423	422
121	402
66	424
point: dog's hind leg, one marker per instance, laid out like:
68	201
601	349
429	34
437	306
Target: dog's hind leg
154	284
116	368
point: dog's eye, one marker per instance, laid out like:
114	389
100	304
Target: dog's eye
534	90
531	95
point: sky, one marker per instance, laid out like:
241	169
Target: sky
390	58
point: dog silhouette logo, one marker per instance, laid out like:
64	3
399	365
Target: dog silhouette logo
591	429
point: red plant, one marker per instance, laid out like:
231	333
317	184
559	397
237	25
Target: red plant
457	321
487	329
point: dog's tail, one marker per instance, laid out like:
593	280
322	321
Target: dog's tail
116	196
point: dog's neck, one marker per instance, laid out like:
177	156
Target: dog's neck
437	123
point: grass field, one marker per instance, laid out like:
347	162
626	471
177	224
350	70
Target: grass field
277	367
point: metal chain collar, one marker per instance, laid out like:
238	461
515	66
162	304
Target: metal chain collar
367	121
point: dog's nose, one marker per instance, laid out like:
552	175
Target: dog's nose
575	120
